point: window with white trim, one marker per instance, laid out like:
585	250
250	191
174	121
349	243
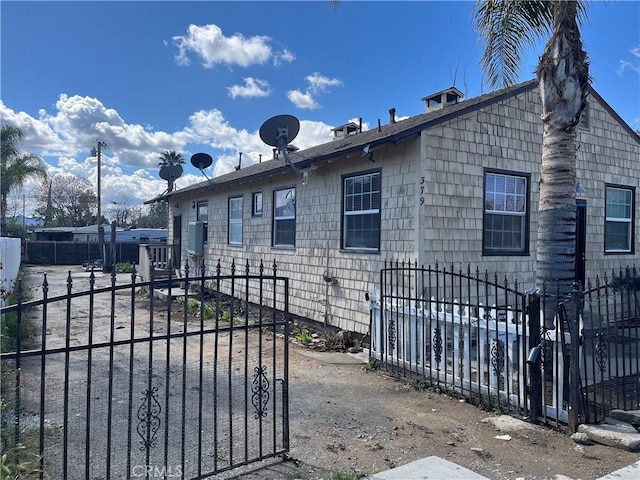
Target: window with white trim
618	229
505	226
284	217
256	204
235	220
361	212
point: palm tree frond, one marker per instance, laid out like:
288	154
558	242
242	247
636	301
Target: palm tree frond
170	158
509	28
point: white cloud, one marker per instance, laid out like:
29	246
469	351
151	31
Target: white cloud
252	88
625	64
316	84
303	100
319	83
283	56
129	173
213	48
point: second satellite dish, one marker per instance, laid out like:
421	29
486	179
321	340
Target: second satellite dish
201	160
278	129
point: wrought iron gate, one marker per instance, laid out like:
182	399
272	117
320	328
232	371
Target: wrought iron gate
187	381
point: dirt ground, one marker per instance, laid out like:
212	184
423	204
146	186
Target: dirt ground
346	418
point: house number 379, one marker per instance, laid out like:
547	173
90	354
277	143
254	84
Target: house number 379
421	190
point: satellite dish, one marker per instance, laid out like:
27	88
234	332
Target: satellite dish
279	129
201	160
170	172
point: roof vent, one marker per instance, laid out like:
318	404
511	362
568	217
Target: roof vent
442	99
345	130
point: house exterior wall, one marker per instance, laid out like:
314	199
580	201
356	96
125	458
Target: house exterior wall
318	233
508	136
608	155
432	208
504	136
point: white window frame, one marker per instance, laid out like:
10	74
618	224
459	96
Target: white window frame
350	210
235	214
506	202
256	204
279	217
611	220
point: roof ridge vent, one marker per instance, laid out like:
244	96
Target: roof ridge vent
343	131
442	99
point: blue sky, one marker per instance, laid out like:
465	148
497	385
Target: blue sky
202	76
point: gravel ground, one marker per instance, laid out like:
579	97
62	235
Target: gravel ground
346	418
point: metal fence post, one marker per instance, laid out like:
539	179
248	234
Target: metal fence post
533	364
573	313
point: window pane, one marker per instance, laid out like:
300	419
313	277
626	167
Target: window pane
617	236
235	233
618	203
284	217
505	212
362	231
285	233
362	211
203	212
504	232
285	201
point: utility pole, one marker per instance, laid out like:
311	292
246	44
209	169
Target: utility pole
98	153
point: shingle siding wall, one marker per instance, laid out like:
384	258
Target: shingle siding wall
431	208
508	136
607	155
455	155
318	231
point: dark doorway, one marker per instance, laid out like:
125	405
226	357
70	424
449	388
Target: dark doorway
177	241
581	237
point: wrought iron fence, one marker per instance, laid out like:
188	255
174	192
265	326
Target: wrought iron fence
609	349
486	339
186	382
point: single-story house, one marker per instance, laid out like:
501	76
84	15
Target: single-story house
456	185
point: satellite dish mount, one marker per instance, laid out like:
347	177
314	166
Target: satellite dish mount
278	131
202	161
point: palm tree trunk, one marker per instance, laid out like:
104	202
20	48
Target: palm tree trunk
563	76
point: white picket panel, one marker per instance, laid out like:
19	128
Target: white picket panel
478	354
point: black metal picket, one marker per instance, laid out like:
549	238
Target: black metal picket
188	385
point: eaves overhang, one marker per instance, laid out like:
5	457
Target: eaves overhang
390	134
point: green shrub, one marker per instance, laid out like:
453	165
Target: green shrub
373	364
347	475
9	323
124	267
302	335
209	310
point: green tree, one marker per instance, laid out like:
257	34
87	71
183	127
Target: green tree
170	167
170	158
15	167
156	217
66	201
508	28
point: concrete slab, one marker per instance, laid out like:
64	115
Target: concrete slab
335	357
632	472
429	468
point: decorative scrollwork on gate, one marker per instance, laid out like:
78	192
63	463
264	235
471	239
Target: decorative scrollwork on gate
392	334
437	344
546	350
260	391
497	356
601	353
149	418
